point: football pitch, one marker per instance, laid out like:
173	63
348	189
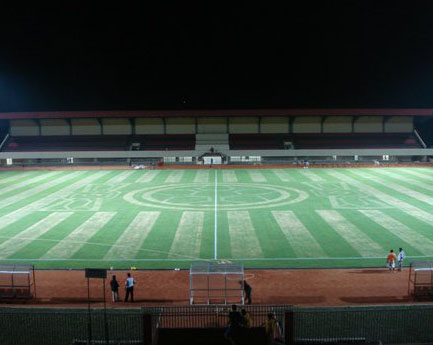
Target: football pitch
273	218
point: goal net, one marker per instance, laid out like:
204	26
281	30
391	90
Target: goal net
216	283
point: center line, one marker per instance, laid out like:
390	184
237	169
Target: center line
215	215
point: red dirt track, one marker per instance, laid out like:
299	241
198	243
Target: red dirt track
302	287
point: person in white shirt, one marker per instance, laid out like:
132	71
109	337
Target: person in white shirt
129	284
400	258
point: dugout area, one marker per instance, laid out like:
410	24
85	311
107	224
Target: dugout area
17	281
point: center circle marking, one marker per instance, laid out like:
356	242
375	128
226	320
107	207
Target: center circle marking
230	196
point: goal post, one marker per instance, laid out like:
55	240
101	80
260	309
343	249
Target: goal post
421	279
216	283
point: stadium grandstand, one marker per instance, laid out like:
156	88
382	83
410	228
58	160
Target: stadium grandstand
266	136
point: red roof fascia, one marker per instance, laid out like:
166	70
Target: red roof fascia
223	112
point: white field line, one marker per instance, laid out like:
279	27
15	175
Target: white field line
398	188
359	241
229	176
298	236
45	201
399	204
36	190
68	246
28	235
120	177
421	184
130	241
417	174
410	236
201	176
175	176
16	177
28	182
216	217
243	238
282	175
187	240
148	176
256	176
310	175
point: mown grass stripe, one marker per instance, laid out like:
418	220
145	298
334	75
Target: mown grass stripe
399	204
311	175
120	177
243	238
283	175
67	247
175	176
229	176
352	234
148	176
256	176
405	179
397	187
418	173
28	235
201	176
28	182
128	244
36	190
188	236
16	176
423	244
22	212
298	236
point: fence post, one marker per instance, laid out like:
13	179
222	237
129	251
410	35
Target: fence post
289	338
147	329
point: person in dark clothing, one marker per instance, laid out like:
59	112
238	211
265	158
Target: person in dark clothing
114	289
234	325
247	289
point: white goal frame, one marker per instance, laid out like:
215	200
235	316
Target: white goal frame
216	283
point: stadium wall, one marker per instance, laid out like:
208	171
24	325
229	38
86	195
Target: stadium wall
262	153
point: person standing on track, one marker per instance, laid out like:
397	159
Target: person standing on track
400	258
114	289
247	289
129	284
390	260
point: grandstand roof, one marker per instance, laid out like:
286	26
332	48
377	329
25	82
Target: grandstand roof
223	112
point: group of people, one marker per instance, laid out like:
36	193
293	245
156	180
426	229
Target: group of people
240	322
129	288
392	258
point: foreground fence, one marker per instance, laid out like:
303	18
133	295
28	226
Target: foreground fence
45	326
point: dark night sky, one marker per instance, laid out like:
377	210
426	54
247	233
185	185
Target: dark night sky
76	56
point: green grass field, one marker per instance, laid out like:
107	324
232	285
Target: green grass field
170	218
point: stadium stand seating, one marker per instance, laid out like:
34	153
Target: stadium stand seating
324	141
164	141
356	140
66	143
258	141
99	143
